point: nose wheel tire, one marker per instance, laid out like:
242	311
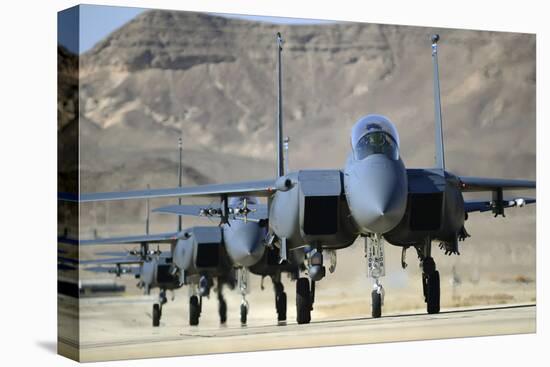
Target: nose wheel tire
376	304
433	292
194	311
156	315
303	301
244	314
280	305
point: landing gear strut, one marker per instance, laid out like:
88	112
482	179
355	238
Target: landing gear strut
280	298
243	287
374	252
430	279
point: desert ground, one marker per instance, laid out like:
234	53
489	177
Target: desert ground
119	328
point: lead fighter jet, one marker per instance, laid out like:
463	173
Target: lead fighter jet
374	196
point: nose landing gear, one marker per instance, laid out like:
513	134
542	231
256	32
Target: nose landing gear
374	252
157	308
377	298
243	286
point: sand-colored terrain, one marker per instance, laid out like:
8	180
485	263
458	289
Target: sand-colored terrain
118	329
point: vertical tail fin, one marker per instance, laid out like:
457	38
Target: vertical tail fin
439	149
279	143
180	178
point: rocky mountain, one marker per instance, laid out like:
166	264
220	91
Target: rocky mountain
211	80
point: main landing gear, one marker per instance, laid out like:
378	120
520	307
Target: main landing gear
280	298
305	297
197	292
195	308
195	301
430	278
374	252
157	308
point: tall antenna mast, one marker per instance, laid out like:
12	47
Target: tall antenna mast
439	150
180	177
280	163
286	143
147	209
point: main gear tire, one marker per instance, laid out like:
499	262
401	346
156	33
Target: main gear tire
303	301
194	311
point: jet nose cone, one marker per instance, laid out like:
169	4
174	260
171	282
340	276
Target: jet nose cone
383	212
243	242
377	194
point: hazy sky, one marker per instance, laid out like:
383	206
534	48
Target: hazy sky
97	22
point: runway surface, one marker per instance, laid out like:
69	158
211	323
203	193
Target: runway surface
210	338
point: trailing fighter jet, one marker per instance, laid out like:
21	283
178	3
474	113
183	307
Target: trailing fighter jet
198	255
374	196
165	271
245	243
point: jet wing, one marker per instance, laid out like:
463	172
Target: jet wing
181	210
258	211
67	241
72	263
487	205
471	184
112	261
111	270
63	266
151	238
250	188
66	260
113	253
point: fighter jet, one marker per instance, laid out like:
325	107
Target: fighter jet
204	261
374	196
244	236
245	243
198	255
196	258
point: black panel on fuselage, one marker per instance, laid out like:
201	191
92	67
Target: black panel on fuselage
208	255
425	211
321	215
163	274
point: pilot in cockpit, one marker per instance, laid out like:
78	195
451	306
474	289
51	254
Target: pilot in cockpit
375	135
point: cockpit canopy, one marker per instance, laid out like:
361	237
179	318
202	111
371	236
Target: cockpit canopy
374	134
